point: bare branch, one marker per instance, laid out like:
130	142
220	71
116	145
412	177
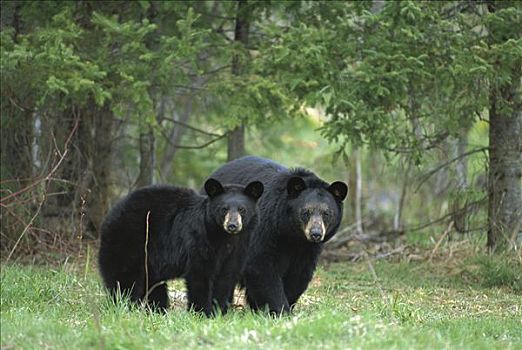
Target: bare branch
185	125
29	224
444	217
445	164
201	146
53	170
46	181
219	137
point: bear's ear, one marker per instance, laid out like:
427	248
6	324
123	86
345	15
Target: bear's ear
213	188
339	190
254	190
295	186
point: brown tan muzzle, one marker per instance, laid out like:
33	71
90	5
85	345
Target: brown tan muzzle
233	223
315	229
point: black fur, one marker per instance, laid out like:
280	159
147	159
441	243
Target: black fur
281	260
186	239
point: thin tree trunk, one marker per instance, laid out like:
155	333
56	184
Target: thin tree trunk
236	138
397	220
358	191
459	203
461	165
147	157
352	184
236	143
101	165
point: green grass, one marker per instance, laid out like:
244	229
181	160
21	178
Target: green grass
474	303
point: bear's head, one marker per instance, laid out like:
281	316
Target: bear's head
316	209
232	207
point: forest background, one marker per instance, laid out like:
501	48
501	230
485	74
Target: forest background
416	105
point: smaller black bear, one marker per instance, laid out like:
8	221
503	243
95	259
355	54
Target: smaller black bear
201	238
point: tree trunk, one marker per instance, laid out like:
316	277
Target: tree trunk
358	191
505	165
86	169
101	165
236	138
397	220
236	143
459	205
147	157
505	148
461	165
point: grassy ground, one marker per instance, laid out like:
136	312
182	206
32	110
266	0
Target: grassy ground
471	302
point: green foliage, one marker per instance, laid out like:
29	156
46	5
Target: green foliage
405	76
400	77
46	67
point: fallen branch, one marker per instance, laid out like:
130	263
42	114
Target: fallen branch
444	235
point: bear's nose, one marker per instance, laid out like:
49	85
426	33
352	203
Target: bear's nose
316	234
232	227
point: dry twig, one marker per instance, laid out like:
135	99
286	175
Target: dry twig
444	235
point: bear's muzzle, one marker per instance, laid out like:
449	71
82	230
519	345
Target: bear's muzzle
315	229
233	223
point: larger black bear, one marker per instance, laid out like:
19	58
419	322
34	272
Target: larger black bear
200	238
298	213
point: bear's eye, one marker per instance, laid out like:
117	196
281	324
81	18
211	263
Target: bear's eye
305	215
328	215
242	210
224	210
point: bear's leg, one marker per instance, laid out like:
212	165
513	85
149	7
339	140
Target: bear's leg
224	284
295	285
199	292
298	276
121	278
158	297
264	289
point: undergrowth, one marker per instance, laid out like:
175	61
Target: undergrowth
458	297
